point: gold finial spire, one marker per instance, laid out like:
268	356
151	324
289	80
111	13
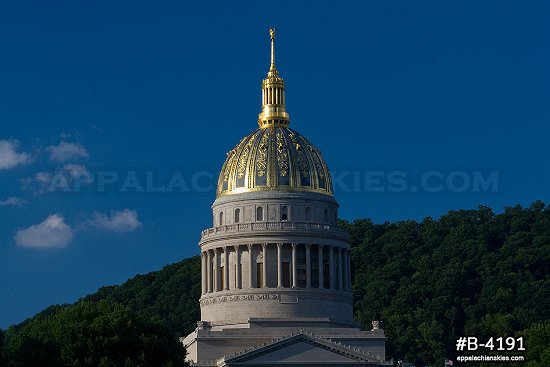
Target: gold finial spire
273	94
272	35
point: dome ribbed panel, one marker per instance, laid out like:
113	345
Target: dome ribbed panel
274	158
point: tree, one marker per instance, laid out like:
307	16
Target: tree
89	333
537	345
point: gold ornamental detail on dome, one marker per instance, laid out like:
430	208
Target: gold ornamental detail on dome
277	159
261	161
302	160
282	155
225	176
243	159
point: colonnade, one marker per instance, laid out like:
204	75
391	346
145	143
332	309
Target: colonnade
306	266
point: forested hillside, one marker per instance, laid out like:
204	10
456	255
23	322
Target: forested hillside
470	272
169	296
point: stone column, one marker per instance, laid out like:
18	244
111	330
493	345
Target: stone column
294	283
203	273
264	252
250	267
238	275
308	265
321	266
345	268
349	270
331	267
226	268
279	265
216	271
209	271
340	272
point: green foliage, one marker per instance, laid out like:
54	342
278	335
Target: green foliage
537	345
169	296
2	350
88	333
135	324
470	273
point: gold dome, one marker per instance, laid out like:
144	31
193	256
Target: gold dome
274	158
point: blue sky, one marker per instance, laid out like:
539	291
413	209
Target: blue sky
451	98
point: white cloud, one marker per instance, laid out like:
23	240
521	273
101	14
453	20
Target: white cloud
52	232
77	171
12	201
118	221
9	157
67	151
66	178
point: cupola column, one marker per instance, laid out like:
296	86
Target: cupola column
331	267
226	268
209	271
308	265
250	267
238	270
321	266
346	270
294	285
349	270
340	272
279	265
264	268
203	273
216	271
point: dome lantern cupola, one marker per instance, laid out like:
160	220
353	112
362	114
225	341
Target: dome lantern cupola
273	95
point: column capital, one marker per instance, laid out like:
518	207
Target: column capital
264	245
308	245
249	245
279	245
294	244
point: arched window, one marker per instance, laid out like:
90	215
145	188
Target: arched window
221	218
325	216
237	215
308	214
259	213
284	213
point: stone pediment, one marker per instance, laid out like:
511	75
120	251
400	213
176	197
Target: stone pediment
301	349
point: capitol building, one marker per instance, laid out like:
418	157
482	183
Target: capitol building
276	276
